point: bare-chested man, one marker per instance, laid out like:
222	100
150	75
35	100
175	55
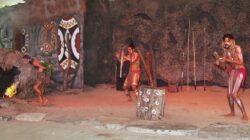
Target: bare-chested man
233	58
133	76
40	78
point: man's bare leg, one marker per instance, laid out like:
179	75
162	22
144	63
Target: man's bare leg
38	91
236	97
231	105
230	95
133	95
41	100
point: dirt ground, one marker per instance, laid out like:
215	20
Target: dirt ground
188	109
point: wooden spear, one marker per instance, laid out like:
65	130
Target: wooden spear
66	71
121	63
204	59
194	63
148	72
188	56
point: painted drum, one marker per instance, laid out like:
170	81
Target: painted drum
150	103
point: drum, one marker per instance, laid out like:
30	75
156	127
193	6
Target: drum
150	103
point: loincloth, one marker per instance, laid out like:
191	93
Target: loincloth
238	71
132	79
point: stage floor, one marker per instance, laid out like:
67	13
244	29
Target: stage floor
186	110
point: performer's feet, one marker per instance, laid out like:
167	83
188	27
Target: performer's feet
36	102
42	101
45	101
231	114
244	117
39	101
130	99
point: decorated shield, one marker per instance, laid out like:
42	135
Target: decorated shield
68	43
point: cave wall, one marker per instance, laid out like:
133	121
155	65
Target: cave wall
99	62
163	25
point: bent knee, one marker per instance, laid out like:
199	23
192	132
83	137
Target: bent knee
235	97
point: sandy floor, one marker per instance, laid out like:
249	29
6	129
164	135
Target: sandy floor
192	107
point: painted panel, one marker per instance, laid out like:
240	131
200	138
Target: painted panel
68	27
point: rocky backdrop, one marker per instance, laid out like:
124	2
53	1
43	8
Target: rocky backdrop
162	26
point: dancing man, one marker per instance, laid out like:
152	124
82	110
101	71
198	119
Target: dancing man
133	76
41	77
233	58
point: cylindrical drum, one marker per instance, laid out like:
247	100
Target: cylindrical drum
150	103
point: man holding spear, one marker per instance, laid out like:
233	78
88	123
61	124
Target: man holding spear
133	76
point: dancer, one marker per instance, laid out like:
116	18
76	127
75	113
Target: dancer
41	77
233	58
133	76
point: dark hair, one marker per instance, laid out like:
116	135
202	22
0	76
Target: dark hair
132	45
229	36
30	59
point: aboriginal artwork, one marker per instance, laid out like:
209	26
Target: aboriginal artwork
5	36
25	41
47	38
68	38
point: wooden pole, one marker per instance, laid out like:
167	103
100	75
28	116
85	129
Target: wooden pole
182	72
204	59
145	66
66	72
188	56
194	63
154	77
148	69
121	63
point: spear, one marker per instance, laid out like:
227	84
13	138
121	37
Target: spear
204	60
121	64
182	73
194	63
188	55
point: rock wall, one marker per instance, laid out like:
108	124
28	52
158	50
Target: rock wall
27	26
160	26
163	25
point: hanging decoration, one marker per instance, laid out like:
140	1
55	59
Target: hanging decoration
25	41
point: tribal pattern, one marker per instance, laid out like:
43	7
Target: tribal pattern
25	41
48	38
68	27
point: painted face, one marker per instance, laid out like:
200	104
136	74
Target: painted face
130	50
227	43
